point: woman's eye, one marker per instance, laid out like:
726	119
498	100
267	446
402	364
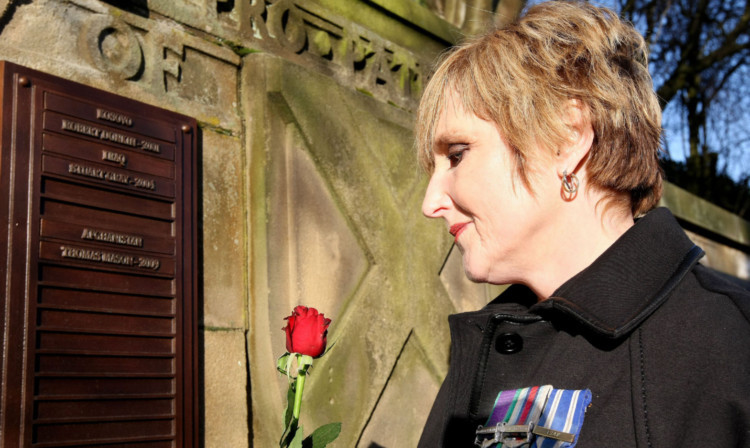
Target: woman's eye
455	157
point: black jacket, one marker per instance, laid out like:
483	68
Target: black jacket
661	341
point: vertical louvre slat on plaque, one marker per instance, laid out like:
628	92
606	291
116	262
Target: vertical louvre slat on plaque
100	341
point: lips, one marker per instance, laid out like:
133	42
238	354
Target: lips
457	229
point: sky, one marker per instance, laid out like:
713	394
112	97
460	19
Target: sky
737	163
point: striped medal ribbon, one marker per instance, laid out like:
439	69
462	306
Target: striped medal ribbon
535	417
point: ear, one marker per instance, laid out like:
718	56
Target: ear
571	156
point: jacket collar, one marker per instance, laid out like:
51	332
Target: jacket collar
629	281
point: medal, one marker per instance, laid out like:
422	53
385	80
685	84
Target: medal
535	417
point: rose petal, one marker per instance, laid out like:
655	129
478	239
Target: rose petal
306	331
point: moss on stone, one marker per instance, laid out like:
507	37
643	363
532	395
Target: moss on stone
238	49
366	92
214	127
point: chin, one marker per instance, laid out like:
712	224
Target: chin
484	274
475	278
474	274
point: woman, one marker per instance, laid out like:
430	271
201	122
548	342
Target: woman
542	141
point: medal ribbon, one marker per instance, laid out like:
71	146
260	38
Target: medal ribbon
553	409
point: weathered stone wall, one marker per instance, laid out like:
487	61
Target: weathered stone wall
309	189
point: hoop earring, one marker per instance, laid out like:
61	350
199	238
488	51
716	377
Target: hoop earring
570	183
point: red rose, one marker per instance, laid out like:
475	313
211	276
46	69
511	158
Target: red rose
306	332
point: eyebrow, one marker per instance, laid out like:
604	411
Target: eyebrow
450	137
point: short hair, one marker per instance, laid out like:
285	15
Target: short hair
523	76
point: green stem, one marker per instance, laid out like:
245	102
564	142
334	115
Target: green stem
298	393
303	363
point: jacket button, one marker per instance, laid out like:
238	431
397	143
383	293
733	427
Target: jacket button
509	343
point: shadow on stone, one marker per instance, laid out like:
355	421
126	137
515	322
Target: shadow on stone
139	7
7	15
224	6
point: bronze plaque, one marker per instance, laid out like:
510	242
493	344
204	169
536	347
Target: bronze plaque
99	305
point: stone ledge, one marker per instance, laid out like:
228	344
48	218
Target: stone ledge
707	216
421	17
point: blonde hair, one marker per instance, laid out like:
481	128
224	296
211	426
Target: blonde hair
523	76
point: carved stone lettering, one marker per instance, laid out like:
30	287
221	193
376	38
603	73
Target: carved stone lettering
375	65
113	117
112	237
113	46
172	63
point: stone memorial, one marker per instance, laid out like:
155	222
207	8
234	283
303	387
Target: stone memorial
300	170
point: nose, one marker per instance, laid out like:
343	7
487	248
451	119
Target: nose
436	200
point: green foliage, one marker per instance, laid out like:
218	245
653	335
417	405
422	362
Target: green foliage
293	435
291	392
296	442
322	436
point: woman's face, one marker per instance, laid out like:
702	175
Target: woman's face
501	228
